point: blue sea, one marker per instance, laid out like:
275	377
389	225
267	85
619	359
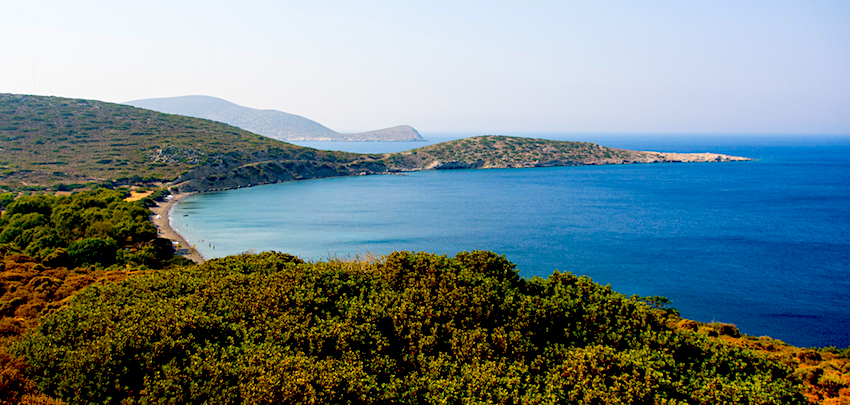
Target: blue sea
764	245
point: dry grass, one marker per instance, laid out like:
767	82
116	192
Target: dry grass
825	373
136	196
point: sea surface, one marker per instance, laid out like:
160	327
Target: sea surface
764	245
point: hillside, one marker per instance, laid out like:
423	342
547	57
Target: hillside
399	133
271	123
60	142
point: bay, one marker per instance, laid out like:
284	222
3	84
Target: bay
764	245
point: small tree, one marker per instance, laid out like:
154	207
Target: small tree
95	251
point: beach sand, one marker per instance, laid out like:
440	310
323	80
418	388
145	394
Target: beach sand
160	219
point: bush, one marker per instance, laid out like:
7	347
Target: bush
6	199
30	204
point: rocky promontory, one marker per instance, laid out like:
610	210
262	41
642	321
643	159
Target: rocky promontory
481	152
500	152
400	133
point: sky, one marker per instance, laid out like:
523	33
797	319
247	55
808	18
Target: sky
495	67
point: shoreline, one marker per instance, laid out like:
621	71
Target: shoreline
161	218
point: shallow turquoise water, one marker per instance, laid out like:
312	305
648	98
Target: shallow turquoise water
764	244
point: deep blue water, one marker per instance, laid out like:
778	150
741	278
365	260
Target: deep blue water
764	245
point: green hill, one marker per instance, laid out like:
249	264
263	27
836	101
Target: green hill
51	141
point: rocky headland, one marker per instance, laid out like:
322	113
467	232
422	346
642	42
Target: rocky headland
500	152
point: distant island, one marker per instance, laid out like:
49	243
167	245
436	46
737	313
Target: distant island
271	123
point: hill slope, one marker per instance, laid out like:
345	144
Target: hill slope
397	133
271	123
51	140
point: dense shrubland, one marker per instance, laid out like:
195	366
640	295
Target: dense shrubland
412	328
87	228
53	246
824	372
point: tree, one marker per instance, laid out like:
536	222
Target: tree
95	251
30	204
6	199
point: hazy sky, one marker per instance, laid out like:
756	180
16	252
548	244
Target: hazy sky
444	66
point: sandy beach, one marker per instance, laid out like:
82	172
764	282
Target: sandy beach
160	219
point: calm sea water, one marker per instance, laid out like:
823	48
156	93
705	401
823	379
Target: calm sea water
764	245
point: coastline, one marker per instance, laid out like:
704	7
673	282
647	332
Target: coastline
161	218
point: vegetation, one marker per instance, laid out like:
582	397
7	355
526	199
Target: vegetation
412	328
503	151
88	228
53	246
94	308
825	372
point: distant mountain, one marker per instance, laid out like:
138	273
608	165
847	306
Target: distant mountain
271	123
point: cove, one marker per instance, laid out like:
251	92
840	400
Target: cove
758	244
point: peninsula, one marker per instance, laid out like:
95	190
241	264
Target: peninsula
63	144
